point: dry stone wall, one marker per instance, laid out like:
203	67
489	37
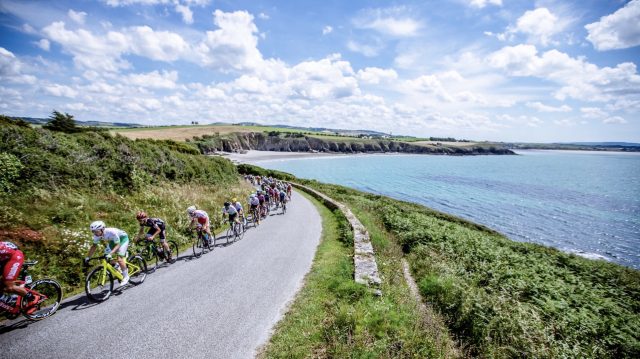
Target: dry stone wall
366	268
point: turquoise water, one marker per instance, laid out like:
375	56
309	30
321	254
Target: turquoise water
586	203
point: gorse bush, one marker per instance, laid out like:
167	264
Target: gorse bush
97	160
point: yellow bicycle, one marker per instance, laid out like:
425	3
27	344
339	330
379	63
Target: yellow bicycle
99	282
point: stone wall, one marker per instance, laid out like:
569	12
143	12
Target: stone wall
366	269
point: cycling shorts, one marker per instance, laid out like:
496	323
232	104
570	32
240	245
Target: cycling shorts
162	235
12	267
254	206
232	217
124	246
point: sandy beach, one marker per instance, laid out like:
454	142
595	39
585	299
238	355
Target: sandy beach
252	156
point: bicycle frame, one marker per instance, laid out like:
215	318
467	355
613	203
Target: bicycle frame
133	269
15	308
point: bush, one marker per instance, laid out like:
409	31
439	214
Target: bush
10	168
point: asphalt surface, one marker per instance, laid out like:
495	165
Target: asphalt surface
221	305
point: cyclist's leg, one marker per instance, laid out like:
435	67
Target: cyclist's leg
10	274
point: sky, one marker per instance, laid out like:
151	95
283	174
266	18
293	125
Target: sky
498	70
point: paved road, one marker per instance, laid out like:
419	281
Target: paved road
221	305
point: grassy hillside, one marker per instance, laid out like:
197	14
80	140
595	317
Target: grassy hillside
52	185
503	298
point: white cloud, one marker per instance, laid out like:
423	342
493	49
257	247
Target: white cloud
593	113
11	69
579	79
29	29
156	45
60	90
185	11
154	79
430	84
78	17
263	16
539	25
545	108
375	75
619	30
329	78
44	44
482	3
233	45
366	50
615	120
327	30
390	21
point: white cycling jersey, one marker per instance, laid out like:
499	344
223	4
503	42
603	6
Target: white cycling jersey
238	206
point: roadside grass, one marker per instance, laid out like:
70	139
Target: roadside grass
503	298
58	221
333	317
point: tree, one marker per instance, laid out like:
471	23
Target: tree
62	123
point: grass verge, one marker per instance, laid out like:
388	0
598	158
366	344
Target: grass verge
332	316
503	298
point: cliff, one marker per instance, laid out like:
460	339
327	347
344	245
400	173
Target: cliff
238	142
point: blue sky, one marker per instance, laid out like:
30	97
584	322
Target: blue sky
480	69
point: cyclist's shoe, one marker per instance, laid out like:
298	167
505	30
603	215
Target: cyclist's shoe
124	281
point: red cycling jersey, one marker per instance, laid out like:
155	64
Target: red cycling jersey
11	259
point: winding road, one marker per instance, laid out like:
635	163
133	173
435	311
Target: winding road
221	305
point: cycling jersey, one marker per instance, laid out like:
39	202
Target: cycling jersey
282	195
254	201
201	215
113	237
261	198
238	206
154	224
11	260
229	210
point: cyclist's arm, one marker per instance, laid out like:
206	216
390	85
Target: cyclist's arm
158	230
115	249
92	250
141	232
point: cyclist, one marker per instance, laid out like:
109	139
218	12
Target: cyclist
156	228
232	212
11	260
289	189
114	237
254	202
262	201
283	197
202	219
240	210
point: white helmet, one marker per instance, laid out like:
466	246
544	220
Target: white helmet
252	195
191	209
97	225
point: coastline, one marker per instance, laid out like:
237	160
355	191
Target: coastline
255	156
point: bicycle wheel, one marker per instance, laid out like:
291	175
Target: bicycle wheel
99	284
211	242
239	231
53	292
230	235
174	252
150	255
137	269
284	208
198	246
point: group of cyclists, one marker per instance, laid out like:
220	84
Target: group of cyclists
270	192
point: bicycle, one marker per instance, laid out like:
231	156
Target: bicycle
12	305
201	241
284	207
99	282
153	252
236	230
255	217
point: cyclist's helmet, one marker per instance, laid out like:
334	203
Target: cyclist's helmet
252	195
234	200
141	215
191	209
96	226
227	204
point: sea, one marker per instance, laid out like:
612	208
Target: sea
581	202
